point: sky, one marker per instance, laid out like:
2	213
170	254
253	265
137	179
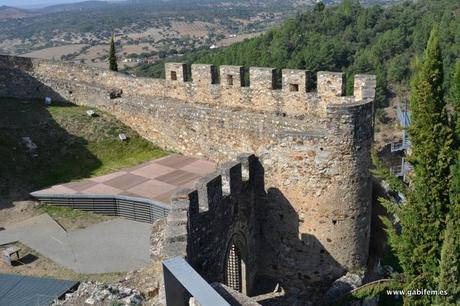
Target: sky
34	3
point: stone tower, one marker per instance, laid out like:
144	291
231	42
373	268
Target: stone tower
311	218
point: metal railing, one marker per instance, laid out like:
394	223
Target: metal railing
137	209
403	115
401	170
401	145
182	283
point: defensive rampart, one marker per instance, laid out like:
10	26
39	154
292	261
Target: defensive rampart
215	226
314	147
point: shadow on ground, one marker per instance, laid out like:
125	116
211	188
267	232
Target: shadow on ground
58	157
25	260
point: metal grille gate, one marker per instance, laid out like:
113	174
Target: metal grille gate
233	269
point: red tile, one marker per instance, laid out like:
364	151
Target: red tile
126	181
80	185
151	189
152	170
176	161
177	177
101	189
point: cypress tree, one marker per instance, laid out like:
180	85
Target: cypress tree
456	102
112	56
449	278
423	215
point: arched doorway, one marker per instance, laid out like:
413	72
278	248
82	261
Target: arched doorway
235	269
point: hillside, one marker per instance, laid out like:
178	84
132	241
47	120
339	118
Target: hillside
349	38
84	5
7	12
145	30
70	145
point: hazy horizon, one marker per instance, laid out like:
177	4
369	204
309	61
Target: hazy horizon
30	4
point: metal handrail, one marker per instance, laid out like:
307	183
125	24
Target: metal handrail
182	282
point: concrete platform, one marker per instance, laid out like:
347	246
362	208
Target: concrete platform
114	246
154	180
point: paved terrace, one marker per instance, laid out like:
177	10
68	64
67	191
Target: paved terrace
155	180
114	246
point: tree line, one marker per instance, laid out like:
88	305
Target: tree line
349	37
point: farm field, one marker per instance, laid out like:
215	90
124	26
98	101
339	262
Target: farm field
55	52
144	33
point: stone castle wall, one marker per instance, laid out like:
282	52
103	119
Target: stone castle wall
222	210
314	147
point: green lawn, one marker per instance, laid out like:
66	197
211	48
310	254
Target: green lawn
71	145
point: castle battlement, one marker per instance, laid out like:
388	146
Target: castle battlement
311	223
220	211
226	87
218	187
223	87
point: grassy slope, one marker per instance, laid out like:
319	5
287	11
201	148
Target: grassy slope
71	145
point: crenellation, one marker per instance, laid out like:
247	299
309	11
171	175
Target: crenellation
330	85
209	192
231	76
245	160
364	87
262	79
231	219
176	72
295	81
204	74
293	100
232	179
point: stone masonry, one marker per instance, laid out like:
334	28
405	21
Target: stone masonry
313	216
204	222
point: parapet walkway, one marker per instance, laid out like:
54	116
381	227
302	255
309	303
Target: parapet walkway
114	246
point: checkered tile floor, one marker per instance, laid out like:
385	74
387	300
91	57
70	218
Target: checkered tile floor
157	179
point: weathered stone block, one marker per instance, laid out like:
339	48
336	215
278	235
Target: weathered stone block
175	72
294	80
231	76
203	75
364	87
261	78
330	84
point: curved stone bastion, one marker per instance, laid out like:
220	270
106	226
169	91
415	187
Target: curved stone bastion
311	213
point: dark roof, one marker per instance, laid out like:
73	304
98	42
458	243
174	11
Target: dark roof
20	290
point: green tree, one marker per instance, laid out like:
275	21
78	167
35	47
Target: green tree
424	214
113	56
456	100
449	278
